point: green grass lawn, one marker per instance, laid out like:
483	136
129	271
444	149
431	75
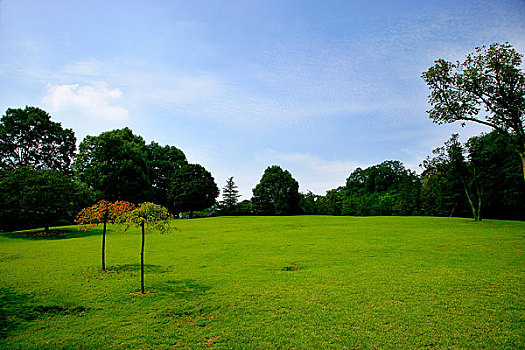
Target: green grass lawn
305	282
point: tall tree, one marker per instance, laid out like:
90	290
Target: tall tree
163	161
467	173
442	192
277	193
103	212
487	88
29	138
462	178
230	196
149	217
192	188
499	174
115	164
35	198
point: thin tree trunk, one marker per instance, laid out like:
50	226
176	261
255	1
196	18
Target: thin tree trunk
142	260
472	207
522	156
453	210
104	247
479	210
479	191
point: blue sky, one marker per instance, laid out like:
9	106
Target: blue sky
317	87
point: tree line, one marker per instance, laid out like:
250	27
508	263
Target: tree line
482	178
478	179
44	181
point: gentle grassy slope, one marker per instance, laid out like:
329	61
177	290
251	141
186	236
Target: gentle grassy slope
272	282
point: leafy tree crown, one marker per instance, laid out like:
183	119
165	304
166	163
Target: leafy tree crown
150	216
277	193
28	137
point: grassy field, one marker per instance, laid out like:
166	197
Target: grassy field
307	282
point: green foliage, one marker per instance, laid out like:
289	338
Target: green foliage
28	138
115	165
383	189
497	166
481	177
488	87
245	207
304	282
378	178
163	161
230	196
152	217
464	173
192	188
442	192
35	198
149	217
277	193
332	202
308	203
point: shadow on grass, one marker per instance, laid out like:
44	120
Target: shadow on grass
183	288
148	268
17	309
52	235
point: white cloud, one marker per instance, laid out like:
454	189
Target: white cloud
96	100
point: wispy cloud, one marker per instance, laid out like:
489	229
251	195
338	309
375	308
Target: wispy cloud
89	67
97	100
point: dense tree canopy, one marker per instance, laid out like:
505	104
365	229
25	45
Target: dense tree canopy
498	174
462	178
192	188
35	198
377	178
332	202
277	193
308	204
482	178
115	165
487	88
28	138
163	161
383	189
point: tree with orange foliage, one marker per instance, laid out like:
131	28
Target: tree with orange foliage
102	213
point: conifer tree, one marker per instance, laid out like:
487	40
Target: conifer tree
230	194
